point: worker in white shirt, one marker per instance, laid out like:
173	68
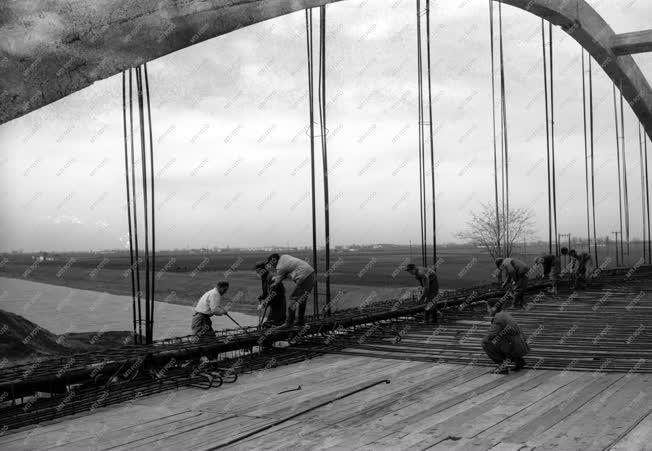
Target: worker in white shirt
303	275
208	305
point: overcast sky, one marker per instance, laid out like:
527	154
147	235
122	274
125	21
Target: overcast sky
232	155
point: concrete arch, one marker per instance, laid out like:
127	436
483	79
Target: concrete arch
52	48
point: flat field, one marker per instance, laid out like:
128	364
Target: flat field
359	276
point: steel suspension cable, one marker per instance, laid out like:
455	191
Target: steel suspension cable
432	153
324	139
586	155
620	195
143	159
153	213
135	212
622	147
647	196
422	210
311	113
545	91
552	140
640	153
591	126
504	127
493	122
131	246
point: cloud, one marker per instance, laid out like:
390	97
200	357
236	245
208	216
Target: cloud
233	158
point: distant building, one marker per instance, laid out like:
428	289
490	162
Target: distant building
44	256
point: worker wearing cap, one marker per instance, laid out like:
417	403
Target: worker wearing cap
303	276
427	278
516	271
551	268
504	340
273	296
207	306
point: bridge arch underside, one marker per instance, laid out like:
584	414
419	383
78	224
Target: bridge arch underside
52	48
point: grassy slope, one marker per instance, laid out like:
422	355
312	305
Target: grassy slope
22	341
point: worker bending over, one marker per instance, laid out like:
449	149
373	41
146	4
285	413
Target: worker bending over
273	296
581	267
303	275
427	278
551	268
504	340
209	304
516	271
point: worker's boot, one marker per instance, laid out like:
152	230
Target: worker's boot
502	368
301	314
289	316
519	363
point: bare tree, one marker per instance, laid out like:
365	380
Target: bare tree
484	229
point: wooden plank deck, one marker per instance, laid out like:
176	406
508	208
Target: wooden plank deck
426	406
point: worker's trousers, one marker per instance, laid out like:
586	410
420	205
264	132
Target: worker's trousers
493	351
430	312
519	291
298	300
201	325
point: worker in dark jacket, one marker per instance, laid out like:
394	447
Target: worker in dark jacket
272	298
551	268
504	340
516	271
581	267
427	278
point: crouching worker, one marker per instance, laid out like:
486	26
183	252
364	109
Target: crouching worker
427	278
209	304
504	340
303	277
273	297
